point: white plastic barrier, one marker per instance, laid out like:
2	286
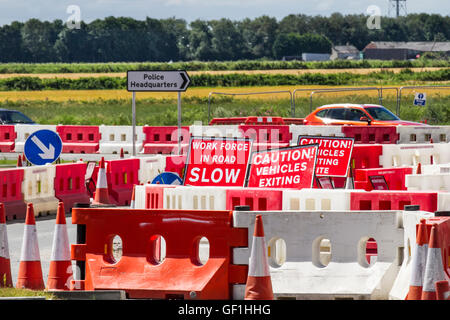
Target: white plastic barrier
139	196
435	168
113	138
38	188
299	272
25	130
301	130
150	167
437	181
316	199
229	131
422	134
193	198
443	201
397	155
401	284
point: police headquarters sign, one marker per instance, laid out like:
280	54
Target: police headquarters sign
166	81
291	167
217	161
333	156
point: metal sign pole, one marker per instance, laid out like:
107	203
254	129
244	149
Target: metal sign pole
133	110
179	123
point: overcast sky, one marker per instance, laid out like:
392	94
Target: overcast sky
22	10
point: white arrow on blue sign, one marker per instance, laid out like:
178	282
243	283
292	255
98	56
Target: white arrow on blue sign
43	146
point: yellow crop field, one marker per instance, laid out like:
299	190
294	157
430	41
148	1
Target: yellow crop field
277	92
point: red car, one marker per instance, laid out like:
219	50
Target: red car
355	114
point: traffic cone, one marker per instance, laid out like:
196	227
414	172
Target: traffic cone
30	270
419	168
442	290
259	283
434	269
121	153
60	271
349	180
101	191
133	198
418	262
5	262
19	161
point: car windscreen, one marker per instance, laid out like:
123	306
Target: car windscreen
11	117
381	114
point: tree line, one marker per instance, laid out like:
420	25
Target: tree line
125	39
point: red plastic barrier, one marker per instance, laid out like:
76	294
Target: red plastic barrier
79	139
11	193
7	138
181	274
69	184
264	120
366	156
176	164
164	140
267	136
122	175
393	200
395	177
258	199
372	134
227	121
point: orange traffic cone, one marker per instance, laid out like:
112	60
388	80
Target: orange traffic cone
442	290
419	168
259	283
101	191
418	262
19	161
5	262
30	270
133	198
60	272
434	269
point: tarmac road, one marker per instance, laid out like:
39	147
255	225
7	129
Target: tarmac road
45	228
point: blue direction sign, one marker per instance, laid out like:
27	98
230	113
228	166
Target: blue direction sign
167	178
420	99
43	146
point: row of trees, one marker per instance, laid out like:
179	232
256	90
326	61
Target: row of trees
126	39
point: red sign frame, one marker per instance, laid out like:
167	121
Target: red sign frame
217	161
329	165
272	163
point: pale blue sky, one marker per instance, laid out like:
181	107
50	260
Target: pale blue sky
22	10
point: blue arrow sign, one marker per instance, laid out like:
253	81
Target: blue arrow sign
43	146
167	178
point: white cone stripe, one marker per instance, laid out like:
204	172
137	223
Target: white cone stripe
132	204
258	266
4	249
418	265
434	270
446	295
30	246
60	249
101	179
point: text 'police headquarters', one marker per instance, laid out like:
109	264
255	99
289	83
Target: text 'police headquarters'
149	84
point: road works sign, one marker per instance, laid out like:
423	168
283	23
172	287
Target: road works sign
167	81
43	146
217	161
333	156
420	99
291	167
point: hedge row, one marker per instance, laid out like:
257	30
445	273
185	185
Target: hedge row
228	80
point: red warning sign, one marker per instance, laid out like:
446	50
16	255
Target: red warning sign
291	167
217	161
333	156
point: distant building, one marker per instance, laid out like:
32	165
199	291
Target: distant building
345	52
315	56
403	50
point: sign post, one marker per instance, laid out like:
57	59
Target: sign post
157	81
